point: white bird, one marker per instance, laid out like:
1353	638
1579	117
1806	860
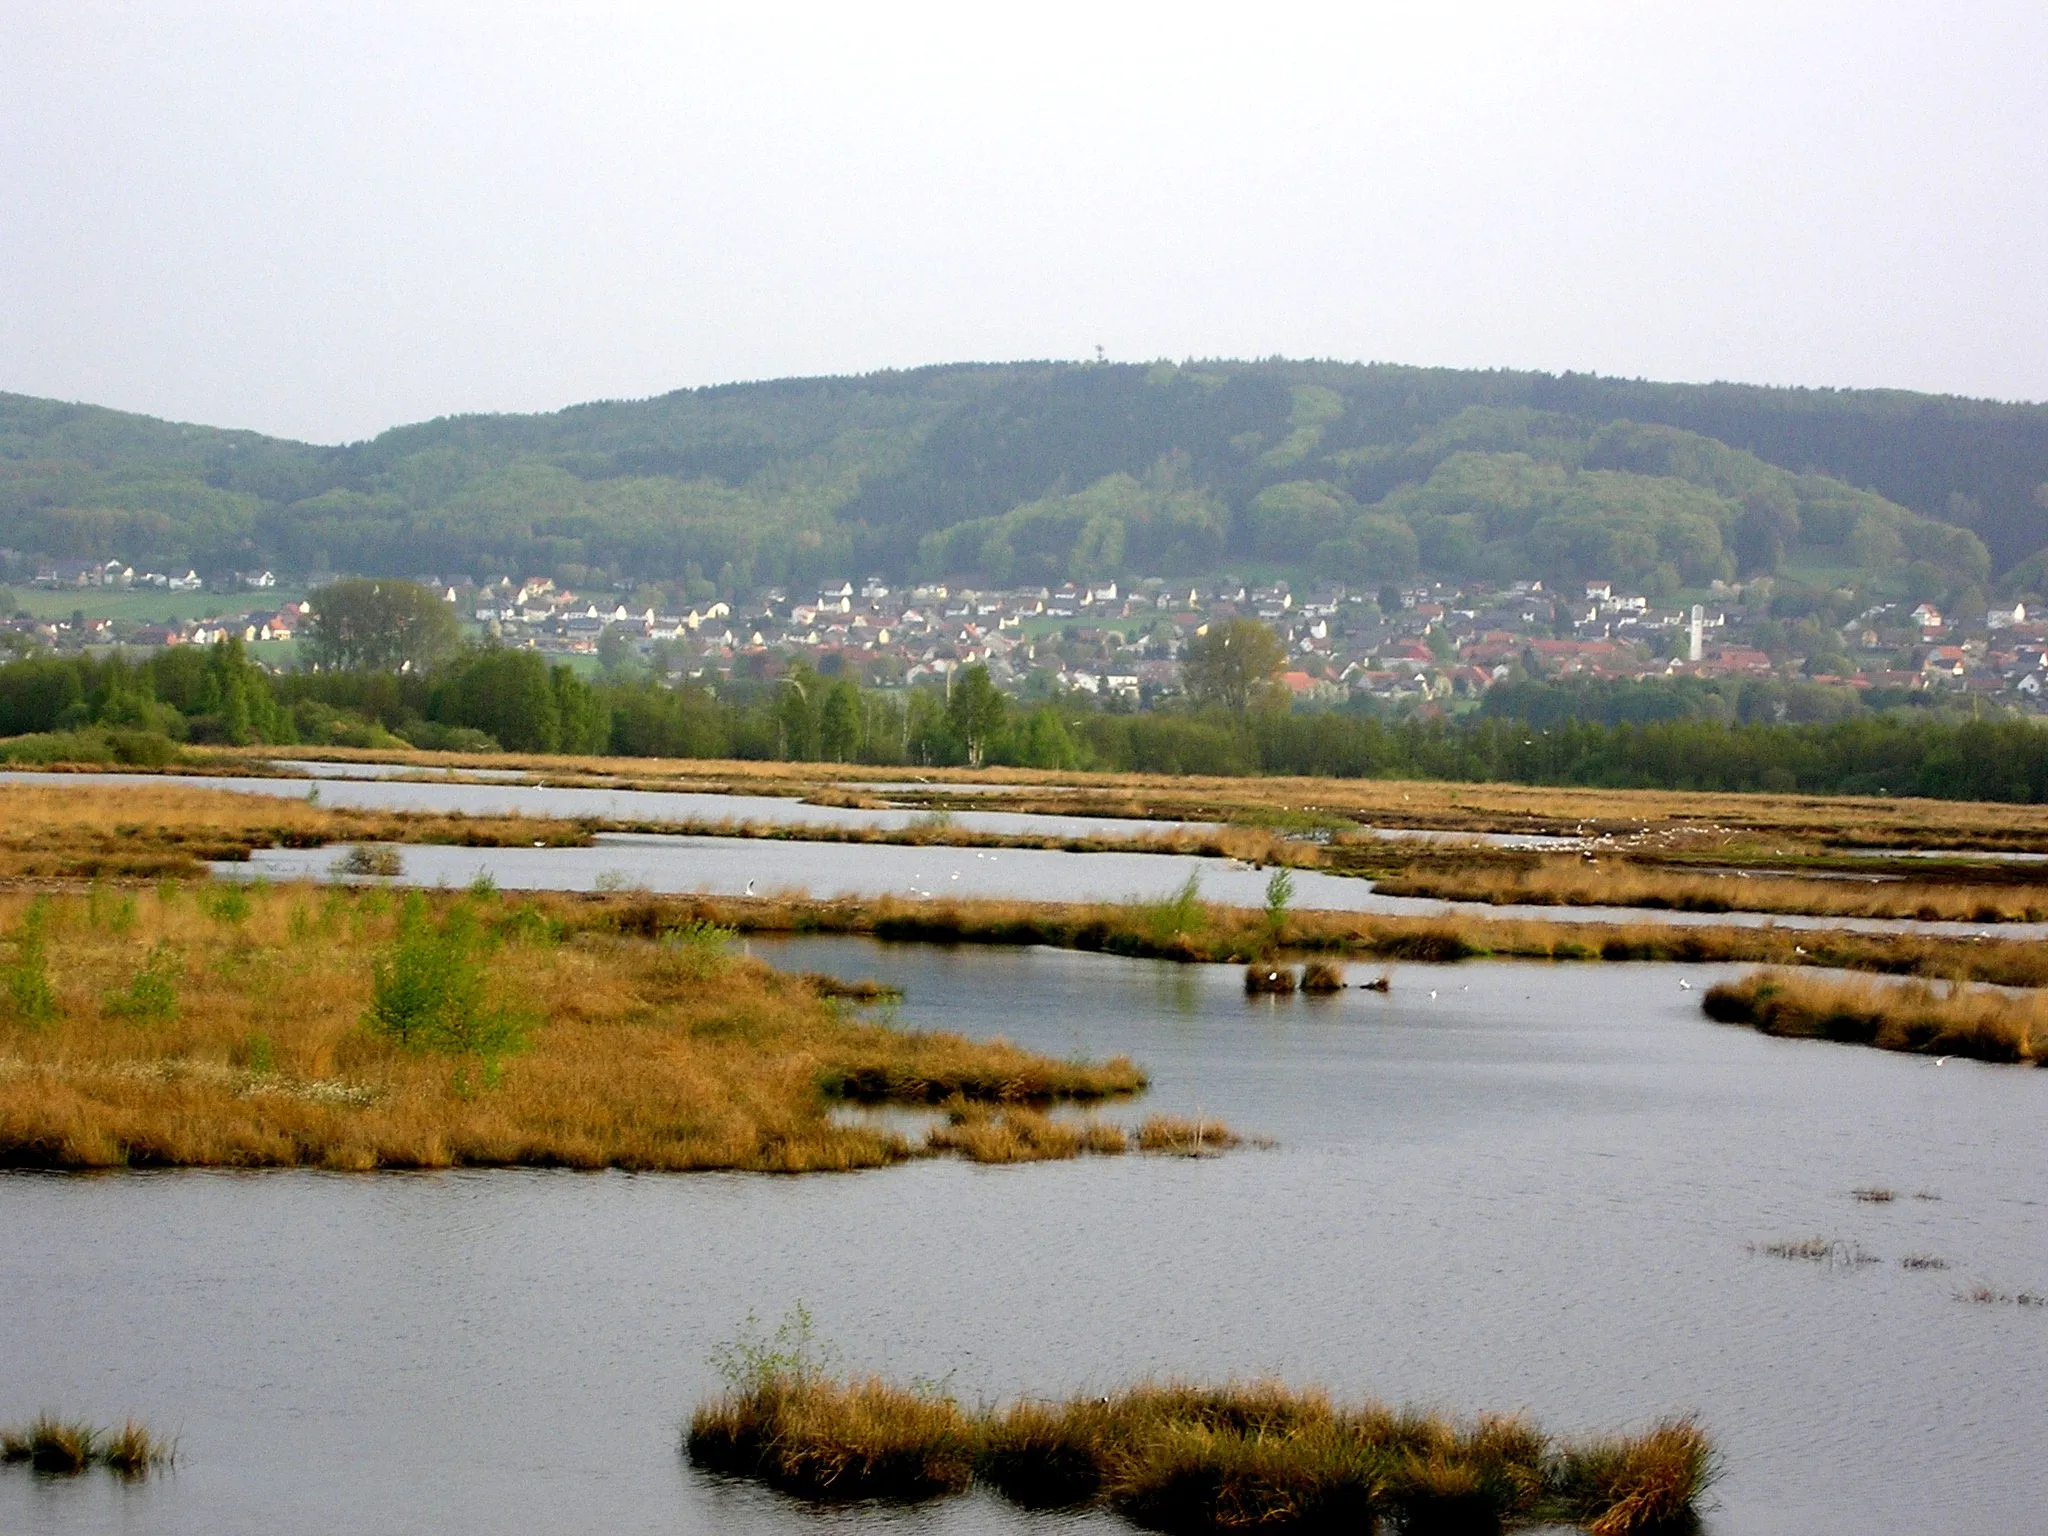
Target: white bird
1432	993
750	887
1684	985
956	874
1941	1061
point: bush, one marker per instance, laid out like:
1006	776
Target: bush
31	996
152	997
430	989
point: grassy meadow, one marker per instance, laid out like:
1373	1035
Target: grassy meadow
230	1026
62	830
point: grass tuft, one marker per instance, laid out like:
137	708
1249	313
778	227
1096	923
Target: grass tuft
1322	976
1188	1459
1185	1138
370	860
64	1448
1957	1020
1262	978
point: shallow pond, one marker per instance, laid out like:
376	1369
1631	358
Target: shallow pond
1501	1186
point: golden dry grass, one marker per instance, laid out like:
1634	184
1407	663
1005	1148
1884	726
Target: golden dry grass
1846	820
69	830
1181	1458
1576	882
62	1448
1182	1137
1018	1135
643	1053
1952	1020
1239	935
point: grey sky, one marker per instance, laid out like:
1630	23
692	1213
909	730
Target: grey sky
324	220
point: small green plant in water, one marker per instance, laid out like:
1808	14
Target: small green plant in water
31	996
152	997
430	990
791	1356
484	887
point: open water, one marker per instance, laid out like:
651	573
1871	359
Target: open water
1502	1186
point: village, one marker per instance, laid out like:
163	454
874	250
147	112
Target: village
1427	646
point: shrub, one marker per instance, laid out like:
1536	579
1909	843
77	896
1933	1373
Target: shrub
31	996
430	988
1183	912
152	996
1279	897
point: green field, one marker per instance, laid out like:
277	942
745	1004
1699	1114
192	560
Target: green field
147	606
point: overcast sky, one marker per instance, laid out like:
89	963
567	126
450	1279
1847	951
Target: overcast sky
325	220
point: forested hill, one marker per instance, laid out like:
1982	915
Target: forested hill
1047	472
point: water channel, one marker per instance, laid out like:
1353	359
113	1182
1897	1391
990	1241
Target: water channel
1502	1186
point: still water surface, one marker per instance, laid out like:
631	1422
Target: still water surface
627	805
1533	1189
735	866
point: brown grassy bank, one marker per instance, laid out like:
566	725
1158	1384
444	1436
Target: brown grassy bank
1789	819
67	830
1176	929
1576	882
350	1029
1955	1020
1180	1458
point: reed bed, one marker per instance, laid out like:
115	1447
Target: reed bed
64	1448
70	831
1844	820
1575	882
356	1029
1211	933
1182	1458
1181	1137
1951	1020
985	1135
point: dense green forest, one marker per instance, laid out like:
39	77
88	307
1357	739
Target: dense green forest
1730	736
1048	472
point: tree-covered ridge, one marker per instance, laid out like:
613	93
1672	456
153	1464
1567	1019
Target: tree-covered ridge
1041	472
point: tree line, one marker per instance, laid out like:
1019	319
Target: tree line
481	698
